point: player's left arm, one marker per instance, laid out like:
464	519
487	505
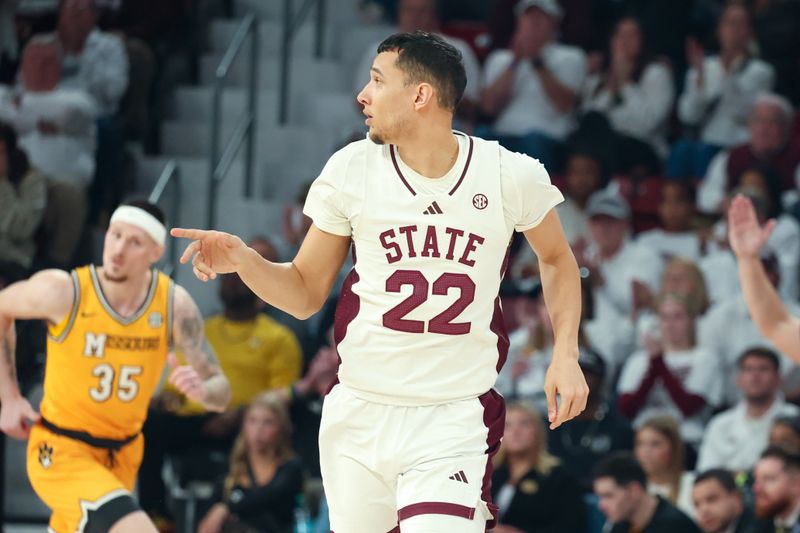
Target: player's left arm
562	293
202	380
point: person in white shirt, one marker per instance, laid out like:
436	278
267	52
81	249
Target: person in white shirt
660	450
761	186
424	15
680	276
56	124
530	350
735	438
531	90
728	330
675	237
93	60
587	172
770	145
718	93
634	92
748	238
56	128
429	211
614	262
777	490
673	376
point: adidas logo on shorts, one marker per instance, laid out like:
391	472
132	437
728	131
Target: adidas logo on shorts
459	476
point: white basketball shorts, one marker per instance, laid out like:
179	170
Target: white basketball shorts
426	469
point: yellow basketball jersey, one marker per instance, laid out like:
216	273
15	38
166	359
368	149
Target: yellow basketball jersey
102	369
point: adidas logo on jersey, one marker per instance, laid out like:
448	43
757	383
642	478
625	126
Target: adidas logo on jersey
459	476
433	209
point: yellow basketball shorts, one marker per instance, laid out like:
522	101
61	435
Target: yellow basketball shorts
73	478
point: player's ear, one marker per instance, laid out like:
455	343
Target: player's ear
424	96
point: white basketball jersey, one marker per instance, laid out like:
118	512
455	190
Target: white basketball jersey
419	320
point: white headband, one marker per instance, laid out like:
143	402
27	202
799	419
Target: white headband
141	219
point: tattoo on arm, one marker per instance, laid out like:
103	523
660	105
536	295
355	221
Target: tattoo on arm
191	340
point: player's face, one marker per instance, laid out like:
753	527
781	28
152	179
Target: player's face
387	100
716	508
261	428
616	501
652	450
128	251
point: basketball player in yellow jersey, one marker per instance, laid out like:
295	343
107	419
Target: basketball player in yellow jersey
110	331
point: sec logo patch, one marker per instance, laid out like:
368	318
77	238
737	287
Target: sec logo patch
479	201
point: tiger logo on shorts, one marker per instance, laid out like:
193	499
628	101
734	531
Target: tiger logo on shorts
45	455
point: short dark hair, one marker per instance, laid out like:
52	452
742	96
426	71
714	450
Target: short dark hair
148	207
425	57
720	475
622	467
790	461
761	352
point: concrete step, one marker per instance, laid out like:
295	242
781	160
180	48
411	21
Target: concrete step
306	146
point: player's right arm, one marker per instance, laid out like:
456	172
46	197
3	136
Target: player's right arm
299	288
48	295
747	239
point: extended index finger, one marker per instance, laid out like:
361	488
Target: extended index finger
189	233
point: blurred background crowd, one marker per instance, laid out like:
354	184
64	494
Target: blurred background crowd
649	115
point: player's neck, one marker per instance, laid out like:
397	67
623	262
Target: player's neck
125	297
429	151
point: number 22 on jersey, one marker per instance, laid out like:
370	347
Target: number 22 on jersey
441	323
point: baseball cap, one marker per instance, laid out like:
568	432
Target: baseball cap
550	7
590	361
608	203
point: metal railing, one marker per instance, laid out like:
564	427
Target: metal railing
170	175
291	25
219	165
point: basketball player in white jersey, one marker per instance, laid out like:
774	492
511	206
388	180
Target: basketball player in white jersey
408	432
